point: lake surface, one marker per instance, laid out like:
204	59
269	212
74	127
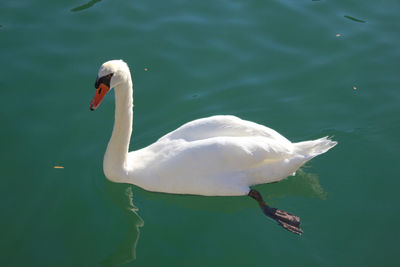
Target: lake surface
304	68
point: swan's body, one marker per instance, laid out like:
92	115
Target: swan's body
215	156
218	156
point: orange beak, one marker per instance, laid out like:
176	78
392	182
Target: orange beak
101	91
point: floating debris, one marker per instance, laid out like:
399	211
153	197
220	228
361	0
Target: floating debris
354	88
146	69
85	6
354	19
58	167
338	35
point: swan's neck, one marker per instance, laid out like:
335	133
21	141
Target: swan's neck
115	160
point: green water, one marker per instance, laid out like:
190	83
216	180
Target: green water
305	68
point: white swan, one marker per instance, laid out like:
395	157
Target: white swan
214	156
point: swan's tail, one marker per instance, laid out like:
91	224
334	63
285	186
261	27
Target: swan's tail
314	148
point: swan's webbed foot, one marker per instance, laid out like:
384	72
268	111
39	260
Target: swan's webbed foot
288	221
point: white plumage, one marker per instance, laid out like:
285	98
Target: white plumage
214	156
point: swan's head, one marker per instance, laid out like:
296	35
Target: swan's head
111	74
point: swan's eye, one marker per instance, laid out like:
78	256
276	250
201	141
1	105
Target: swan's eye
104	79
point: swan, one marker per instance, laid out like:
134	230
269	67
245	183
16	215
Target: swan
220	155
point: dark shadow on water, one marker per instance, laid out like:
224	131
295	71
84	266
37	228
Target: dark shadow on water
85	6
122	196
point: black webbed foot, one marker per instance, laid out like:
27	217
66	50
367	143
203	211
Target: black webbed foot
288	221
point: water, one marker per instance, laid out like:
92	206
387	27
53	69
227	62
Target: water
305	68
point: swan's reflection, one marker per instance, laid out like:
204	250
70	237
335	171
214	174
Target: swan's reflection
122	196
302	184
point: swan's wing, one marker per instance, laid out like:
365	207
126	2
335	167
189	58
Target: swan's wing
222	126
211	166
216	154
